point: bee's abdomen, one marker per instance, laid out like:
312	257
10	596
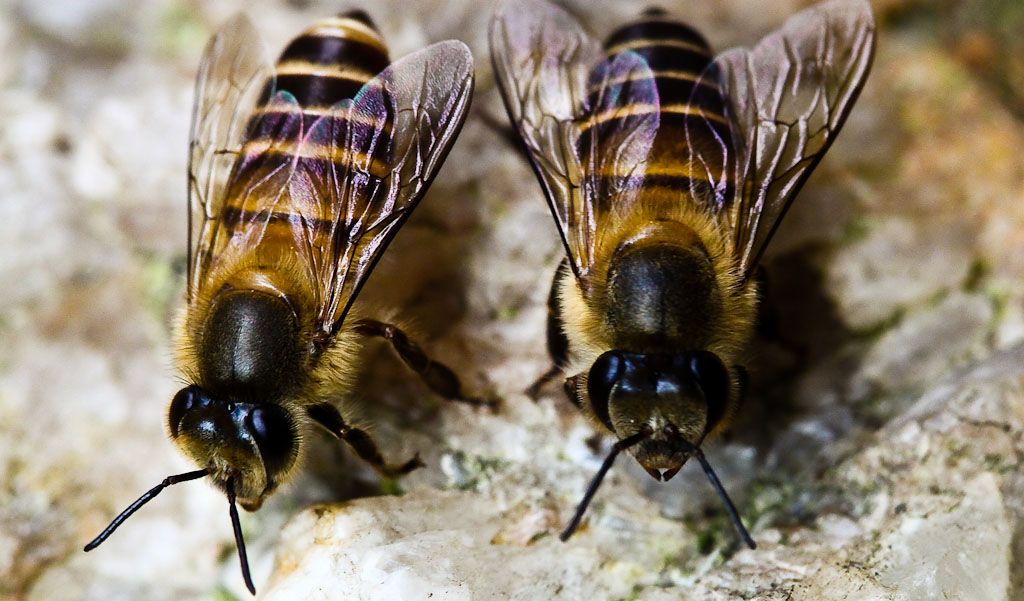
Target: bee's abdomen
664	43
331	60
692	113
328	63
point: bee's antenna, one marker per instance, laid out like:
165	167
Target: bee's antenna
239	541
729	507
617	448
146	498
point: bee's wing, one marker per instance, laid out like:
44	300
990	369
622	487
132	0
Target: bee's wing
570	107
258	203
383	148
788	98
230	83
613	139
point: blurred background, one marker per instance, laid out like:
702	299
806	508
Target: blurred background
900	268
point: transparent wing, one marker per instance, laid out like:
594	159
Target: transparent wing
381	151
259	204
789	97
613	139
710	152
558	87
230	84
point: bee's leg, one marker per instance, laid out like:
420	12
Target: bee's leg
574	387
439	377
558	343
361	442
546	378
714	424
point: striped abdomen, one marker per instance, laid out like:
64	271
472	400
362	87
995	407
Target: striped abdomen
331	60
328	63
692	115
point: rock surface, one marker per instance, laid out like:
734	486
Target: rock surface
879	457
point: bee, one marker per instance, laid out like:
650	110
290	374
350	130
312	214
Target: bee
667	169
300	174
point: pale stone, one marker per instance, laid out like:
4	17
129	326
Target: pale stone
884	463
101	24
910	263
924	346
922	564
441	545
907	544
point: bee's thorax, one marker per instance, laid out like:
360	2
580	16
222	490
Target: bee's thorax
250	345
662	296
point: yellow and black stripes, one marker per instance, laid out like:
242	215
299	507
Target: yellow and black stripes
664	43
331	60
326	64
694	140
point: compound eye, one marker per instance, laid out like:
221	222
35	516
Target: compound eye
605	372
184	401
274	434
711	376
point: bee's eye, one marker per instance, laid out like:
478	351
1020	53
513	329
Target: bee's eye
605	372
184	401
272	430
711	376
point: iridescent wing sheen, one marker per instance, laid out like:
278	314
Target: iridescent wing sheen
613	139
381	151
788	97
557	85
710	153
230	84
262	211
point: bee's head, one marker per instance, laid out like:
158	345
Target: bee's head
255	444
245	448
677	397
661	406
